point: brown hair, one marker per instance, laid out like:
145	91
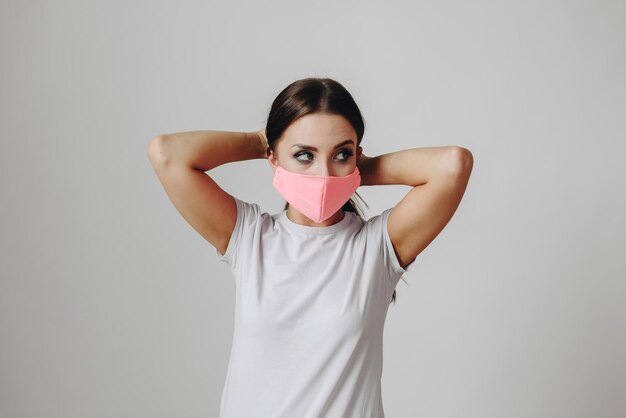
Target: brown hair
315	95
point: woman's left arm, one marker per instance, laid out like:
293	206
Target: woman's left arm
439	177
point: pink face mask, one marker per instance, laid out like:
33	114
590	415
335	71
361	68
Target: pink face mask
317	197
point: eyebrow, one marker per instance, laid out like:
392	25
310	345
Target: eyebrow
347	141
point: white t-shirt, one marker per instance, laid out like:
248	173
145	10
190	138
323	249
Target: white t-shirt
310	309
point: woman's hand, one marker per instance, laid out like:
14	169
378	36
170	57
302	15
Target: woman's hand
362	162
261	134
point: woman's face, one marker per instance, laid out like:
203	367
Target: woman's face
320	144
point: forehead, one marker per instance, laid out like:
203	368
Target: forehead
321	129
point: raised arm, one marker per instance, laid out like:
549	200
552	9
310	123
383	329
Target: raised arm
439	177
180	161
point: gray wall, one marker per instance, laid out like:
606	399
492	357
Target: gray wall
111	305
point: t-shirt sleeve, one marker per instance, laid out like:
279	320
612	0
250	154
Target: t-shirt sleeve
248	215
378	227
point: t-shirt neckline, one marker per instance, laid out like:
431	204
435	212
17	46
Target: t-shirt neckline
318	230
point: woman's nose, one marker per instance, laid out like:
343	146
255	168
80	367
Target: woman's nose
325	170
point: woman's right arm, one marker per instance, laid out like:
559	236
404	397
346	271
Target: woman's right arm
180	161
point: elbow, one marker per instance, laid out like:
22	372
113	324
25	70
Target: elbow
156	151
459	162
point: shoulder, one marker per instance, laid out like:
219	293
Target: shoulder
376	230
374	223
251	215
250	224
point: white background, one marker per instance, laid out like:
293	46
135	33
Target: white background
111	305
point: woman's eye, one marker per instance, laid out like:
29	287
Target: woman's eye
347	153
298	155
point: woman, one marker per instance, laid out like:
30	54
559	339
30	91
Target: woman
314	282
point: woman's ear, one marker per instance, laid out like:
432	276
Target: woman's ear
271	159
